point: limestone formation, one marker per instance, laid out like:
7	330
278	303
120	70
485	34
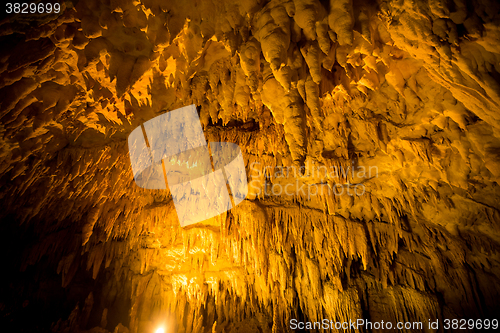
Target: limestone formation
389	109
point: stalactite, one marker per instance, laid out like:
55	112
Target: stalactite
406	90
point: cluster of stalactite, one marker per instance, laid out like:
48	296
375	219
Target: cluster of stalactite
402	96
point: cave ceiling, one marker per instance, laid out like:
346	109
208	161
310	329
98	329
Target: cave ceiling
402	97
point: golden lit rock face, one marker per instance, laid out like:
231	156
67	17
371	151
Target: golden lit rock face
406	91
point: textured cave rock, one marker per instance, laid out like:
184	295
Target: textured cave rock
410	88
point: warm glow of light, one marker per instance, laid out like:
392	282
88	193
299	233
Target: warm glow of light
160	330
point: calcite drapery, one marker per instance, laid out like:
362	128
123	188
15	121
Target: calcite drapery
408	87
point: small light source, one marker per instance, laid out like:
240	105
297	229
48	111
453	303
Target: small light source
160	330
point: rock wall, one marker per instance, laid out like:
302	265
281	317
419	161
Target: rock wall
408	89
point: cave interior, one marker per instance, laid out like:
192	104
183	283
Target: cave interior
389	110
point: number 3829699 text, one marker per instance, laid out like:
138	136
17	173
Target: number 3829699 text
32	8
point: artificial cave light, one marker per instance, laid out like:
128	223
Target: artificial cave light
369	134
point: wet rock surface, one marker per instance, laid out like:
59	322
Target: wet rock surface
401	97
